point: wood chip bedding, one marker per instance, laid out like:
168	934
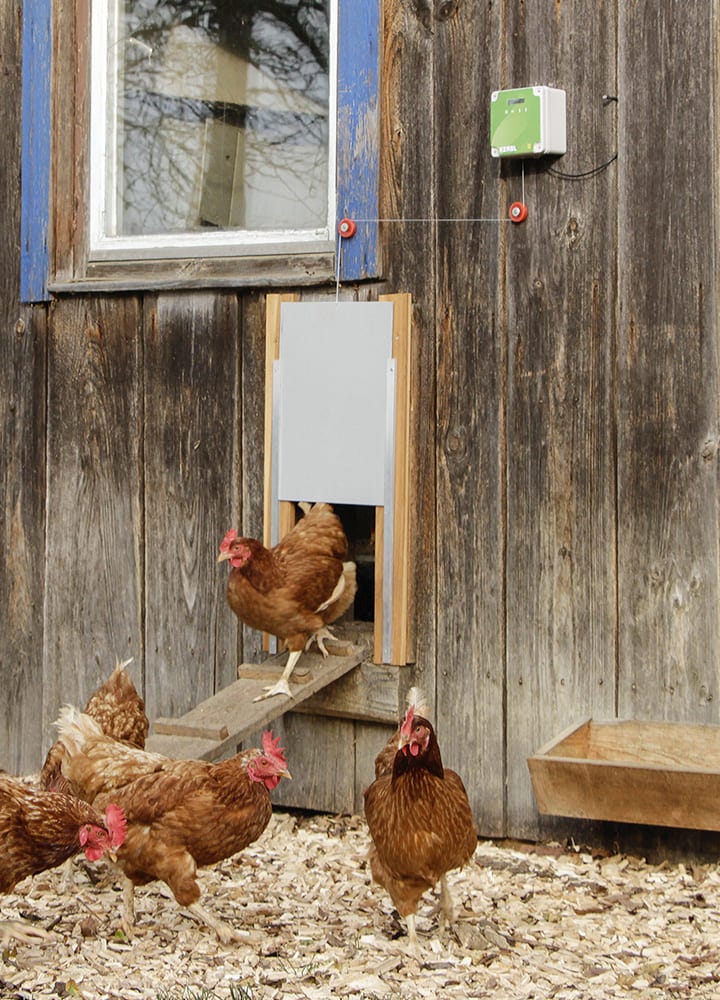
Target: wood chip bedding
530	924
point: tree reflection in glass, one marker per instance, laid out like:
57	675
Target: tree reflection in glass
218	116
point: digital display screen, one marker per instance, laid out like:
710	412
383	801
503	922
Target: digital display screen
516	100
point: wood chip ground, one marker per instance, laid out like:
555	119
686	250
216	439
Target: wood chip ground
530	924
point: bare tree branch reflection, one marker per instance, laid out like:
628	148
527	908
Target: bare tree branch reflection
222	115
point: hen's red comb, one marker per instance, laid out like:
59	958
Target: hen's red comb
227	541
407	723
116	824
271	748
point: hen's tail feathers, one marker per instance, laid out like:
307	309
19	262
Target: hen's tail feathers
318	506
74	728
417	699
120	666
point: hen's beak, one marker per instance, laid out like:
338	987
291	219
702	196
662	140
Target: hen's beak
285	774
223	556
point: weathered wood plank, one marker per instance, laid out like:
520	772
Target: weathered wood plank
369	741
358	130
668	378
559	290
185	747
93	551
71	123
36	150
321	758
470	360
191	483
679	745
665	774
250	453
409	167
22	449
232	714
201	273
372	693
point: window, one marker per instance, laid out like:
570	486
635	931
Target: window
215	128
216	142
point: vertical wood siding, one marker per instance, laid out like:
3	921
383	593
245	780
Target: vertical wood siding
565	422
470	422
191	446
667	358
22	447
559	300
36	150
358	131
93	543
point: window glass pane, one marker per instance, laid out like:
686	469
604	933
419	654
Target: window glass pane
217	116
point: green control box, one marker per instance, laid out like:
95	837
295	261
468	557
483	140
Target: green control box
527	121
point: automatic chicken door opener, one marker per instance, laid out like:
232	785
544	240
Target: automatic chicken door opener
526	122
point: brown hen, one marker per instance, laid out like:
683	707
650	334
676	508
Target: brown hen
120	711
181	814
41	829
419	818
294	590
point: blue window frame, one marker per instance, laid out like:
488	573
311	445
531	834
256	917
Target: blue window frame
36	145
357	153
358	134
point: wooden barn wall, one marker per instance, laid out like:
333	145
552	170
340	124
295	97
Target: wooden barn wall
22	447
565	417
559	304
668	383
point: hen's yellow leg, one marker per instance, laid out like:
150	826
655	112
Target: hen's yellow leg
282	686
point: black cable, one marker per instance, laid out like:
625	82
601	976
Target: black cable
585	173
606	99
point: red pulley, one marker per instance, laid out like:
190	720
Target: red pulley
347	228
518	211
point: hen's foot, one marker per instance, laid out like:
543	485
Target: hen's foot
444	905
224	931
127	919
18	930
413	945
319	637
282	687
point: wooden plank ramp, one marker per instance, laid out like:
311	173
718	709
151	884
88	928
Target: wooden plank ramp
216	727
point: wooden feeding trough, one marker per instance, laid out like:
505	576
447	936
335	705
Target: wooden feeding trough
658	773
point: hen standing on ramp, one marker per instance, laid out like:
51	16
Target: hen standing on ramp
294	590
419	817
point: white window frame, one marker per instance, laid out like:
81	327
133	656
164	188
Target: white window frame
218	243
